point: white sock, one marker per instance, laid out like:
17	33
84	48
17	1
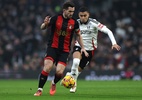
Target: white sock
77	75
40	89
74	69
76	78
53	82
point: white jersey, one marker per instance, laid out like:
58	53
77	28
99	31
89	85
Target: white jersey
89	32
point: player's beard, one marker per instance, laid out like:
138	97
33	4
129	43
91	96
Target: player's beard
69	16
84	20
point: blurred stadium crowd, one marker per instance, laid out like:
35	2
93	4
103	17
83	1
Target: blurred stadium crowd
23	44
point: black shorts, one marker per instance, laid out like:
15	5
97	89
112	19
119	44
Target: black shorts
84	60
56	55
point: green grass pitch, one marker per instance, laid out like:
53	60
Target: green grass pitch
87	90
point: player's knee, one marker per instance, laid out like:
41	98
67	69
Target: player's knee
60	69
76	61
59	72
80	69
47	66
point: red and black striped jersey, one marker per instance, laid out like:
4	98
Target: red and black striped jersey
62	31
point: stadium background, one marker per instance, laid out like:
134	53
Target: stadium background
23	44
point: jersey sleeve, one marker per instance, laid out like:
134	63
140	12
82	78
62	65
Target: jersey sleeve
52	20
100	26
76	27
97	24
104	29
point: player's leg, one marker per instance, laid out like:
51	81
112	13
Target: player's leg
62	59
76	61
48	64
84	61
58	75
43	76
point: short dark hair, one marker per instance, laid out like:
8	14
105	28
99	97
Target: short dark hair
68	4
83	9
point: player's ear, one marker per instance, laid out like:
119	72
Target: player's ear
88	14
64	10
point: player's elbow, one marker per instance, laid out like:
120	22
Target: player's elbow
108	31
43	26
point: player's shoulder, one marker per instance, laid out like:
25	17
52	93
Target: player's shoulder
55	16
93	21
74	19
78	20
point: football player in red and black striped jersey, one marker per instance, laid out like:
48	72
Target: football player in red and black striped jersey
63	26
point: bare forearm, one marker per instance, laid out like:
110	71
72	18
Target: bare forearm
80	41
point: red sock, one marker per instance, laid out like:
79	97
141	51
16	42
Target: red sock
42	79
44	73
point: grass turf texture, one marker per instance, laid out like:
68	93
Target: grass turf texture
87	90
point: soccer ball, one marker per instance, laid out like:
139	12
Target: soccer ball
68	81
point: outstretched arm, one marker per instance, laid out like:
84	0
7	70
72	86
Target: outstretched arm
111	36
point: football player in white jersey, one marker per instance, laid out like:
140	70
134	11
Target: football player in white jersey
89	29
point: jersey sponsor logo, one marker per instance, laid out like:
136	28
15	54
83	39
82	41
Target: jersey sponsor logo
88	27
85	32
61	32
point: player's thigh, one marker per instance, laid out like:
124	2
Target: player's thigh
48	64
49	59
62	59
77	52
85	60
51	54
61	63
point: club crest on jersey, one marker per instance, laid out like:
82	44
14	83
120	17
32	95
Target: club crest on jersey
70	26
